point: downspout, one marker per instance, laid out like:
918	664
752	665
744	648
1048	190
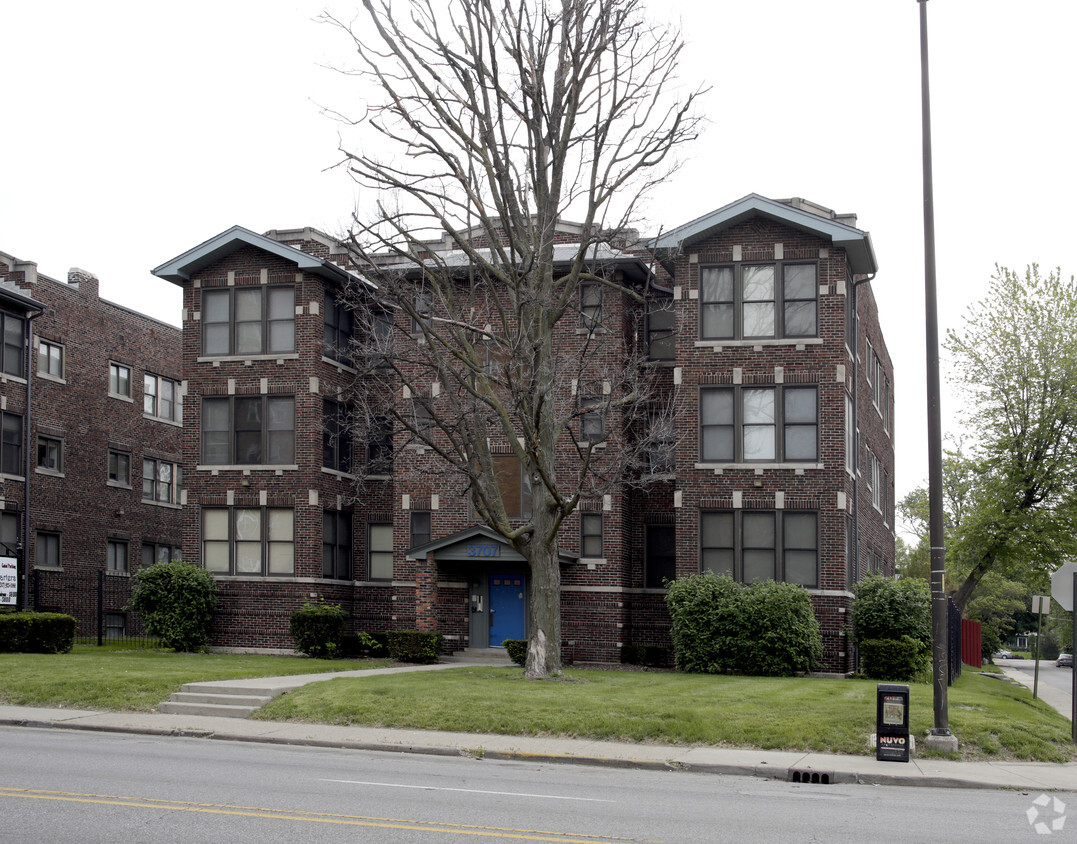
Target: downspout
856	425
28	333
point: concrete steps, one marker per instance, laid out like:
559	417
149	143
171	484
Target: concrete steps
481	656
212	699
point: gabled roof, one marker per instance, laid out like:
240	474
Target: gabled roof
459	546
186	266
856	243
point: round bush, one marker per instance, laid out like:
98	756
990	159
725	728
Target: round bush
176	602
318	629
889	609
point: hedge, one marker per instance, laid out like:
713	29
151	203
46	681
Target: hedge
885	608
176	601
894	659
414	646
318	629
37	632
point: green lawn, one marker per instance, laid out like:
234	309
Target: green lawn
992	719
108	678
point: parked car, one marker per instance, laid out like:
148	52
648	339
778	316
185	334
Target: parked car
1002	655
1064	661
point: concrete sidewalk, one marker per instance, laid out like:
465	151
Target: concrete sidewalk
781	765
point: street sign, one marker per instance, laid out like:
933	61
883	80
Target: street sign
1041	605
1062	585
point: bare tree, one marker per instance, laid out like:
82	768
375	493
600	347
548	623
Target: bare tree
502	117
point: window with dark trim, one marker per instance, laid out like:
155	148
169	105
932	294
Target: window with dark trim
592	419
248	430
160	552
660	555
423	304
162	398
161	480
47	549
419	526
379	447
13	351
745	424
338	329
591	535
258	541
381	341
248	321
422	419
50	358
754	545
50	453
9	533
115	625
336	437
758	301
119	467
11	444
660	444
336	545
590	306
119	380
117	555
661	328
380	552
514	484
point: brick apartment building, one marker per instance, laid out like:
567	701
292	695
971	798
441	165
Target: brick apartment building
90	469
757	315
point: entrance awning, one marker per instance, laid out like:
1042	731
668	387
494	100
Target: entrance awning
474	544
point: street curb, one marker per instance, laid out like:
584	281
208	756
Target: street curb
478	753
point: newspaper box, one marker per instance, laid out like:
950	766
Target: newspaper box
892	723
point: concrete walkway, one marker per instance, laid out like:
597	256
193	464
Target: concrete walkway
791	766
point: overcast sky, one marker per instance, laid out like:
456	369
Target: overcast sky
133	131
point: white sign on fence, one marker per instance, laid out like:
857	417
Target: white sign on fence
9	581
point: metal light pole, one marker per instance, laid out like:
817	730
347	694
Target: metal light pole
940	735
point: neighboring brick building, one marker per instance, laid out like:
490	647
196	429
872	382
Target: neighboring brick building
781	464
100	445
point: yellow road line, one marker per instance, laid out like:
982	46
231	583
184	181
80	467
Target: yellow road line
310	817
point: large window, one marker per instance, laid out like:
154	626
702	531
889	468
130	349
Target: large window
758	301
162	398
119	380
13	352
248	430
661	326
117	555
50	359
660	555
745	424
380	552
11	444
336	545
248	540
338	329
753	545
248	321
591	535
160	480
336	437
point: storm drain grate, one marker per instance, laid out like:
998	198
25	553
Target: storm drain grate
812	776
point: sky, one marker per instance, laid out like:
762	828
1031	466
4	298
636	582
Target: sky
134	131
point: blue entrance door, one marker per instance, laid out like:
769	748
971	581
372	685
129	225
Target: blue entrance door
507	620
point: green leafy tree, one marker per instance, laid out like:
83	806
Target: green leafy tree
889	609
176	602
1016	361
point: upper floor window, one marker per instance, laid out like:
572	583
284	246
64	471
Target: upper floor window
162	398
336	545
590	306
592	419
50	453
423	304
13	352
419	525
338	329
161	480
248	540
754	545
660	444
514	484
380	552
758	301
119	380
9	533
248	320
743	424
47	549
661	327
336	437
11	462
119	467
591	535
50	359
248	430
379	447
381	339
117	555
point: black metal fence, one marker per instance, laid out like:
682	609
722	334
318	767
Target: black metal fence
98	600
954	641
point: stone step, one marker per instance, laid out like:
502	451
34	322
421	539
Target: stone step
223	699
238	690
490	656
175	707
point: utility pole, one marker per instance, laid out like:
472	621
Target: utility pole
940	737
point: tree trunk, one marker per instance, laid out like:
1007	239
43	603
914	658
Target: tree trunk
544	648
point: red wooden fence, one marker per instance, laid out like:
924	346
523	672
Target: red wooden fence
971	653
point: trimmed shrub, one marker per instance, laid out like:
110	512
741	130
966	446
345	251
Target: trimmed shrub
516	649
176	602
889	609
318	629
894	659
363	644
652	656
414	646
720	626
37	632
